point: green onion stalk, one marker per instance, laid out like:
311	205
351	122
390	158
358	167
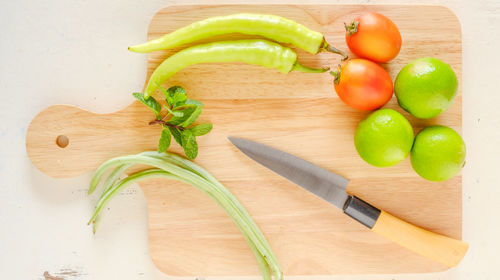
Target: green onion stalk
174	167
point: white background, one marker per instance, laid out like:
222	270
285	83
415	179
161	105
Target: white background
73	52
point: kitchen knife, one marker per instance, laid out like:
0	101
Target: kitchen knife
332	188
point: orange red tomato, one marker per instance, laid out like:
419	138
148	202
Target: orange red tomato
363	84
373	36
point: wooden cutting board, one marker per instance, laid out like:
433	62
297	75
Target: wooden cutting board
300	113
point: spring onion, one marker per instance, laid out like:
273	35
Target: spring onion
174	167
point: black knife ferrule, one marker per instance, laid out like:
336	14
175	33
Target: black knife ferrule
361	211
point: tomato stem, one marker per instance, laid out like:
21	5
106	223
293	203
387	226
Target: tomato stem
336	75
351	28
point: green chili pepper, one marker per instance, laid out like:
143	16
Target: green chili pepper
256	52
273	27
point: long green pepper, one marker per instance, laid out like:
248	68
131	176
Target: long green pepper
256	52
272	27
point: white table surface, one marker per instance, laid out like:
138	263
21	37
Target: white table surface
73	52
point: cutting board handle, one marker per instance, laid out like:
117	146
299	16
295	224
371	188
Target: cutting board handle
66	141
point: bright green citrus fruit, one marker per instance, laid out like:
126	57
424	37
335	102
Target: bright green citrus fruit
384	138
438	153
426	87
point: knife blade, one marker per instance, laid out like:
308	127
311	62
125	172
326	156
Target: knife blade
331	187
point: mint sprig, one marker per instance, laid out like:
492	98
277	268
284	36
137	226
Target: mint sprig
150	102
181	113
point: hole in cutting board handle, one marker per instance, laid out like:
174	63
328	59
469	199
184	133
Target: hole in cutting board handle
62	141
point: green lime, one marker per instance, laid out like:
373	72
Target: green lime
438	153
384	138
426	87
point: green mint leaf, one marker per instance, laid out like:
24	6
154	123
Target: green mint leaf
186	111
150	102
192	117
176	89
179	99
201	129
175	96
189	144
168	98
177	134
164	142
176	113
193	102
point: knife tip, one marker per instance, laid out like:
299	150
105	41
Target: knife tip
235	140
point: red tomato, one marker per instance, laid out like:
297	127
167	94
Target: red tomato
363	84
373	36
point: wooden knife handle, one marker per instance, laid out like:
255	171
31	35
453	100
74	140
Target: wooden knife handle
434	246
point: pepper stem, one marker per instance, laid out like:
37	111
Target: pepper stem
336	75
327	47
301	68
351	28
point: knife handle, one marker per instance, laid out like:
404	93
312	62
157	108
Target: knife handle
437	247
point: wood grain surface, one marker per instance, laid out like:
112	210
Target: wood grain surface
299	113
